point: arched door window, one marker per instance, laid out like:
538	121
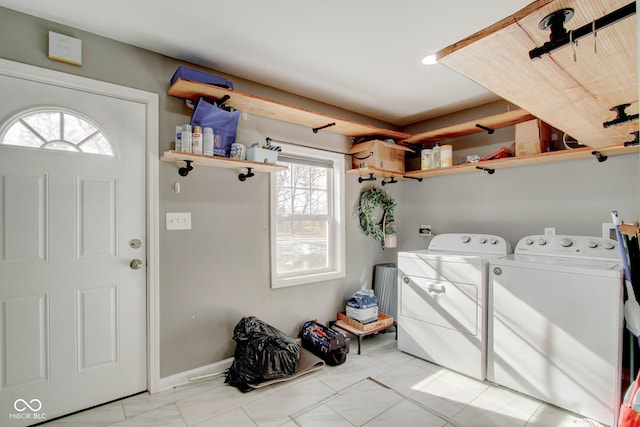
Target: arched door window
56	129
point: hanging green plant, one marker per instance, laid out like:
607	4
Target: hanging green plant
371	203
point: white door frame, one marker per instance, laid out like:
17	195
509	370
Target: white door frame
70	81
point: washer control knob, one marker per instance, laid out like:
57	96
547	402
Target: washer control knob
465	239
542	242
592	244
528	242
483	240
566	242
608	245
493	241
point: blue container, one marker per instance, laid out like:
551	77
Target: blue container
187	73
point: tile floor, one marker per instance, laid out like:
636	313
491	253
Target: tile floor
381	387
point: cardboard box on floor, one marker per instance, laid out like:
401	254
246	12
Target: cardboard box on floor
378	154
532	137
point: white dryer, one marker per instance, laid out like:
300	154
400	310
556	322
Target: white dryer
442	300
557	323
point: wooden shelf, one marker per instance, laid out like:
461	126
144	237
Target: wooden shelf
574	88
497	121
534	159
219	162
251	104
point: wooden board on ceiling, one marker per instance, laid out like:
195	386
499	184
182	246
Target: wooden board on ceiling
573	95
497	121
278	111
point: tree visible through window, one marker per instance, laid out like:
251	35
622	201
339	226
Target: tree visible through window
307	219
55	129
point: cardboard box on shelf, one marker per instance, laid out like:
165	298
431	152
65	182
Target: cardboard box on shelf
532	137
378	154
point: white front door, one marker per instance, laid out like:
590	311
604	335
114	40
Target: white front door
72	308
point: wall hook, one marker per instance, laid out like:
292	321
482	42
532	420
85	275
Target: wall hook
185	170
413	177
391	181
487	170
489	130
371	178
244	176
598	156
315	130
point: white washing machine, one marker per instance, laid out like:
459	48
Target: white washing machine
557	323
442	300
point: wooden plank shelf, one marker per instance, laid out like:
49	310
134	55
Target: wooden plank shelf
497	121
534	159
251	104
219	162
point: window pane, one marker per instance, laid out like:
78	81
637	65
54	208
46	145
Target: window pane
319	202
300	201
301	245
319	178
18	134
284	201
46	123
56	130
76	129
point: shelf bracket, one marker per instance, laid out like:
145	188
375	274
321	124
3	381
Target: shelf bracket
487	170
244	176
413	177
622	117
635	140
371	178
599	156
391	181
185	170
489	130
315	130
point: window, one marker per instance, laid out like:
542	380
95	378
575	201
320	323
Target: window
55	129
307	217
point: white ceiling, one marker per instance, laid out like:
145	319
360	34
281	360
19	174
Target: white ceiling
360	55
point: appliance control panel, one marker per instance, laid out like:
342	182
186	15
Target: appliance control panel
574	246
469	242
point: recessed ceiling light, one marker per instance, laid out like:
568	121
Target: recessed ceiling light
430	59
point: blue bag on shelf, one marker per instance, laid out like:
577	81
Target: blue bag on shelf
223	122
187	73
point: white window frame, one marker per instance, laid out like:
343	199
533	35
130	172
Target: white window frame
337	227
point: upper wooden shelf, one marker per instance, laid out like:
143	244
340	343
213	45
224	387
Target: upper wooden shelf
575	87
534	159
497	121
276	110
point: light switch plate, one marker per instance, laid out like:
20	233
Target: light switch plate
178	220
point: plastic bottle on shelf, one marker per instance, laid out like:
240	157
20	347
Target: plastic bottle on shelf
435	156
186	138
178	146
207	141
196	140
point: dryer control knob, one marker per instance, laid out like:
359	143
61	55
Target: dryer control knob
608	245
542	242
566	242
528	242
483	240
592	244
493	241
465	239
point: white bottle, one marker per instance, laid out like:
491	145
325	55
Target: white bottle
207	141
178	138
196	140
186	138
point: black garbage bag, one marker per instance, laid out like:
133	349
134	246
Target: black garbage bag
262	353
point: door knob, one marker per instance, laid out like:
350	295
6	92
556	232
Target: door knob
135	264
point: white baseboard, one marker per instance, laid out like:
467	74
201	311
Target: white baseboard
182	378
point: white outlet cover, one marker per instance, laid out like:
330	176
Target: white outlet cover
178	221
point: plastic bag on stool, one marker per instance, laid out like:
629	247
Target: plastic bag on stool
262	353
630	408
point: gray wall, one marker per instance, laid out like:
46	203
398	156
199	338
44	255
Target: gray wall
218	272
